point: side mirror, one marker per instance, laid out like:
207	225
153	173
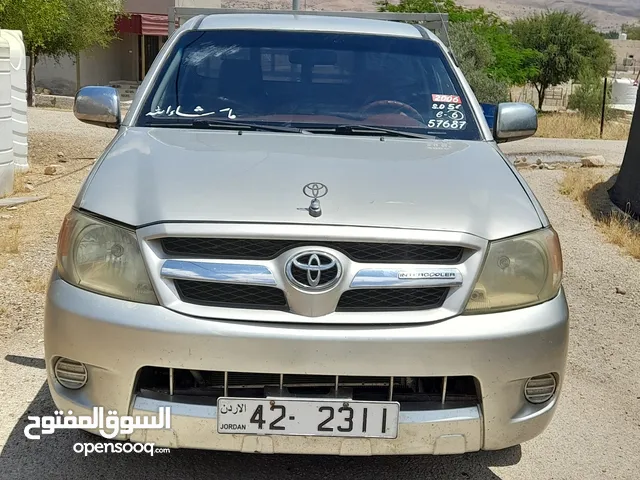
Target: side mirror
515	121
98	106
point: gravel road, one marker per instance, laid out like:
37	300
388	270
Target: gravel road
595	434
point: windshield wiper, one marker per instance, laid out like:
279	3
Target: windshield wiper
226	124
355	129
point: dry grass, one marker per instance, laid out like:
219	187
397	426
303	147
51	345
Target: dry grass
20	182
10	238
589	187
566	125
577	183
37	284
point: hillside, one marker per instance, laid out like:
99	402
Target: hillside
606	14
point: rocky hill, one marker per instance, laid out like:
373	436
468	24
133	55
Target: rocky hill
606	14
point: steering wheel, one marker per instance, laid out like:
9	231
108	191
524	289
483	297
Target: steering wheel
401	106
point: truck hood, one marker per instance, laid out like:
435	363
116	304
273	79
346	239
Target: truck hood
165	174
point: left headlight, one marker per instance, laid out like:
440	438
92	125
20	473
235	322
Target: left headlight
103	258
518	272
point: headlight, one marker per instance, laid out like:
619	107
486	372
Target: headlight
104	258
518	272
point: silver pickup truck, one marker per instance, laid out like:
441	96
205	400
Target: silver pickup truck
304	238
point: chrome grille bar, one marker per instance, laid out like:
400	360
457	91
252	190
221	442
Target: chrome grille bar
390	388
222	272
171	381
242	273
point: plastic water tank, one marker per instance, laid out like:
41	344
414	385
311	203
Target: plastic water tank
18	97
624	92
6	124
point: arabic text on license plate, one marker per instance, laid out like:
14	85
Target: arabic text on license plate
312	417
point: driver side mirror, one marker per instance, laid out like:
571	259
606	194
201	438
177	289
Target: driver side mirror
98	106
514	121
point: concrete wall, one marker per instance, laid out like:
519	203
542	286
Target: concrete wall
162	6
100	65
198	3
624	48
158	7
57	76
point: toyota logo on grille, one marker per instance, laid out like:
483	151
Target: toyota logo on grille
315	190
314	270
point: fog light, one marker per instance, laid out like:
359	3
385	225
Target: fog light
70	374
540	389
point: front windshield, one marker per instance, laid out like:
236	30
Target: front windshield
310	80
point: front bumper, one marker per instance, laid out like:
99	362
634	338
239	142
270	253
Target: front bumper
115	339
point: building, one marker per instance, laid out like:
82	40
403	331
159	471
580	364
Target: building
627	55
126	61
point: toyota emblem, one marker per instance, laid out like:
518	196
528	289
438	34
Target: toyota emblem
315	190
313	270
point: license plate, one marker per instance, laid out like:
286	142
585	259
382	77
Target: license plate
311	417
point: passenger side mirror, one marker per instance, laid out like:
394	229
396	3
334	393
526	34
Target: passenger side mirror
98	106
514	121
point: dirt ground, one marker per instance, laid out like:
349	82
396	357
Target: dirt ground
594	435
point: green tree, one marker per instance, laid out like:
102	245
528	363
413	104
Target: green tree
510	63
567	45
611	35
60	27
632	31
474	56
456	12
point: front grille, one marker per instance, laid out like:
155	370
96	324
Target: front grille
264	249
228	295
391	299
211	384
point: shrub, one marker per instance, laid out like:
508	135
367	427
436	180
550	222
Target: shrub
474	55
588	96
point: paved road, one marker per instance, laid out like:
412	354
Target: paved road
564	149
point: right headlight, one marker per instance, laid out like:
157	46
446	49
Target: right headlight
104	258
518	272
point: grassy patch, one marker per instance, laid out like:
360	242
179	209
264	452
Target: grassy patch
10	238
589	187
567	125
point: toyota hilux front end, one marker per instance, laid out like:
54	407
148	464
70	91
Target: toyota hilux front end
304	239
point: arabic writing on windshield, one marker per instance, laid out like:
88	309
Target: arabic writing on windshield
198	112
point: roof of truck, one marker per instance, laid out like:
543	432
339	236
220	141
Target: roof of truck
313	23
